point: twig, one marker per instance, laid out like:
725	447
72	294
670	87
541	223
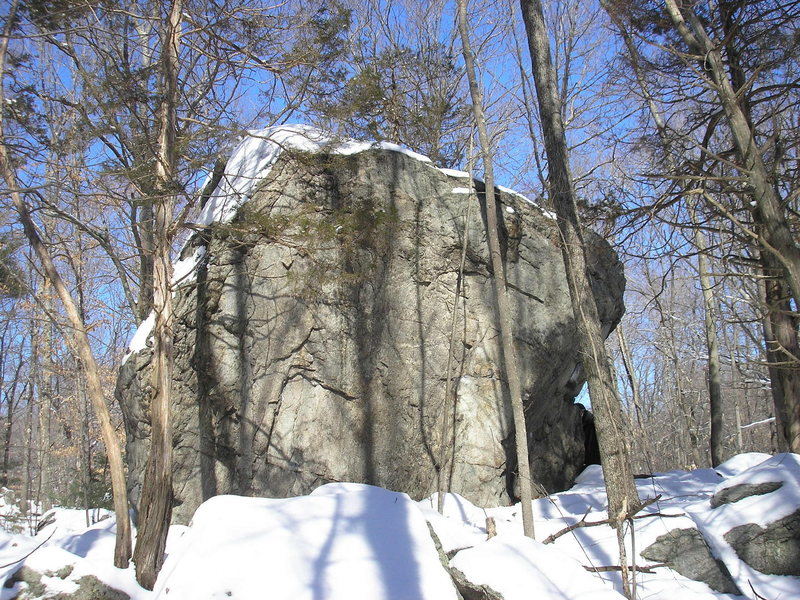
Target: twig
583	523
610	568
755	593
29	553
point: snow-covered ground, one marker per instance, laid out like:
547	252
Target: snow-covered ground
353	541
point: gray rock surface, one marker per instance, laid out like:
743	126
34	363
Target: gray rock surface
774	550
312	346
472	591
686	551
744	490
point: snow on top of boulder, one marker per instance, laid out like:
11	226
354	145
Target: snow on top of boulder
255	155
253	158
761	510
139	340
249	163
782	468
520	568
454	173
341	542
183	270
740	463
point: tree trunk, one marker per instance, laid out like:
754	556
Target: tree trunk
712	344
9	425
614	453
155	506
499	280
783	354
636	420
450	404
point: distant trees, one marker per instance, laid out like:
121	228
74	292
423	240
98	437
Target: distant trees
722	81
86	97
77	323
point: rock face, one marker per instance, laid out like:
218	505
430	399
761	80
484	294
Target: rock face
774	549
312	341
686	551
732	494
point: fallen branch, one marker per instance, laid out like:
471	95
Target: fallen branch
584	523
13	562
639	568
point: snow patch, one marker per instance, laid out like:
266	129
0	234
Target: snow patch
520	568
139	339
183	270
741	463
252	160
454	173
354	541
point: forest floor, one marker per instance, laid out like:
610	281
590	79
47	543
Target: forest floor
352	541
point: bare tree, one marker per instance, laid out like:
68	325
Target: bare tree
499	280
622	496
156	501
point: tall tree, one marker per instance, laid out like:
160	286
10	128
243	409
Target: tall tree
156	501
622	496
499	280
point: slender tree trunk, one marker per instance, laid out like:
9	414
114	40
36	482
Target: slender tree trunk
94	385
155	507
122	550
714	393
9	426
43	483
712	344
622	496
633	381
499	280
27	457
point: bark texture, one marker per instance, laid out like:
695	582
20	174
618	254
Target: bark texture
623	498
155	507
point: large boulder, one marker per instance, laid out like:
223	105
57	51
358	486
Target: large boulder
313	336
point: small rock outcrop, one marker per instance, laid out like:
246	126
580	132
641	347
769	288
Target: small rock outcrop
313	339
687	552
732	494
774	549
